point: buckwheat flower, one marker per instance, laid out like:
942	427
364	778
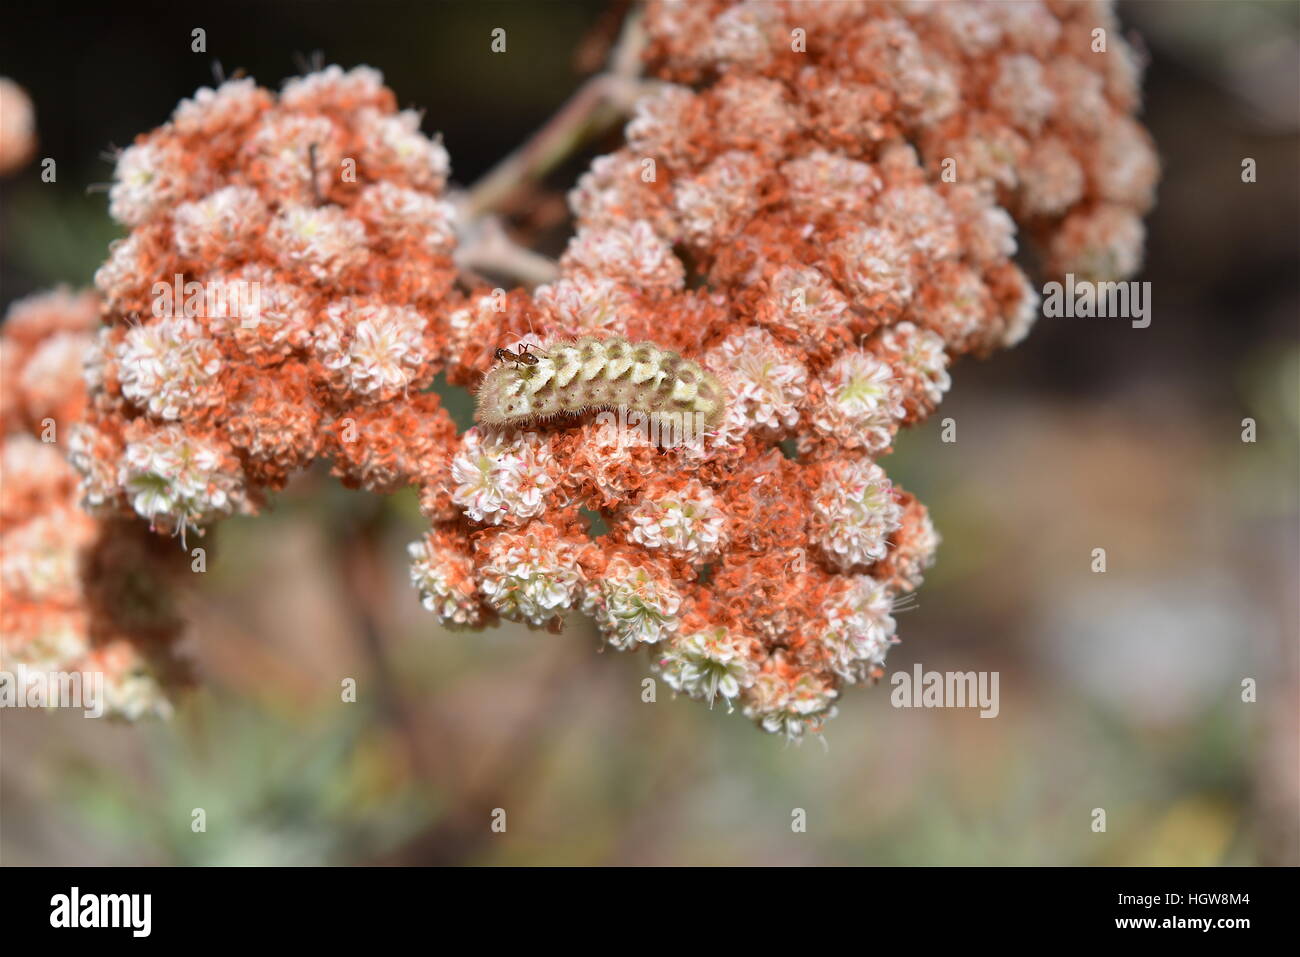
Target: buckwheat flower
743	35
1022	313
765	384
293	157
222	224
1124	151
858	630
502	477
39	558
407	216
988	233
716	205
804	306
169	367
854	513
128	274
31	320
583	303
50	382
893	55
616	189
148	178
1052	180
877	267
634	254
371	348
823	181
394	147
789	701
754	114
531	576
175	480
859	405
265	316
35	478
662	123
633	602
1101	244
231	105
383	448
322	240
920	366
685	522
333	88
956	304
17	126
1080	93
920	214
708	664
94	454
1020	92
912	548
444	576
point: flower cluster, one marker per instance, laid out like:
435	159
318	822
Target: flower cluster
277	300
820	203
76	594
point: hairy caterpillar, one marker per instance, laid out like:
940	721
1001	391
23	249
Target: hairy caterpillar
590	373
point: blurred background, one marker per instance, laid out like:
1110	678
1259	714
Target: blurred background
1120	691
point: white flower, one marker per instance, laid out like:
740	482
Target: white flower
708	664
686	522
371	348
877	264
172	477
168	367
765	384
861	407
859	629
856	508
635	254
445	581
146	181
526	579
323	241
633	604
503	477
790	708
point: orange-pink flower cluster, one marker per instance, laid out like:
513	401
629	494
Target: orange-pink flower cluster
821	204
278	300
77	595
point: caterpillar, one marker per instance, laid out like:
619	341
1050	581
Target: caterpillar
589	373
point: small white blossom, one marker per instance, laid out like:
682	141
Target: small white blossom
632	605
857	511
686	522
168	367
526	579
502	477
708	664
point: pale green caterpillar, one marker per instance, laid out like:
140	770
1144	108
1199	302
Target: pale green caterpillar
589	373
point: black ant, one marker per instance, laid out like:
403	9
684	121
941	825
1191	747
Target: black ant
521	358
